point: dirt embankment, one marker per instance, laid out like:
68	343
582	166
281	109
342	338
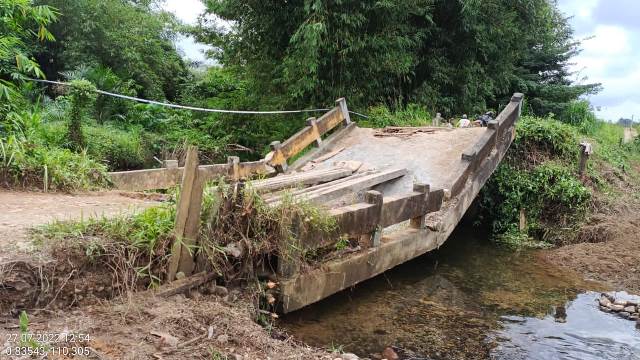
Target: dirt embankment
611	253
200	325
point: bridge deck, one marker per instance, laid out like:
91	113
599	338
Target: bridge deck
431	158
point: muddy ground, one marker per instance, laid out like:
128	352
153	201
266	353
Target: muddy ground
613	257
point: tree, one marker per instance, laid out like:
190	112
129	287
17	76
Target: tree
543	73
132	38
452	56
21	26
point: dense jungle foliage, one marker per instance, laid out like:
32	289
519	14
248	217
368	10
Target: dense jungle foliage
398	61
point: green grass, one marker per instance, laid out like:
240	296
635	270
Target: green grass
381	116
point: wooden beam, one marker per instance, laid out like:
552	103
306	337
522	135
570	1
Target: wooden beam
376	199
183	211
311	122
353	186
303	179
330	120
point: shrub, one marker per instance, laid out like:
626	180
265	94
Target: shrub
413	115
82	94
28	164
539	139
550	194
118	149
579	113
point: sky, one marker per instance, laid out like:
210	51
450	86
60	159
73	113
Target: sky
610	56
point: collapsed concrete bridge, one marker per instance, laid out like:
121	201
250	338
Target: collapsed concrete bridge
401	191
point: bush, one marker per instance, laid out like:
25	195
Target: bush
550	194
413	115
118	149
28	164
580	114
539	139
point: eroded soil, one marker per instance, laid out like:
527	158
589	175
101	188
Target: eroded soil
145	326
613	256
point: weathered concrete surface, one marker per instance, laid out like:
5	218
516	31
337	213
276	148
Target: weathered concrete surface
431	158
396	248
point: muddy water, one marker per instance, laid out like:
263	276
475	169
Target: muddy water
470	300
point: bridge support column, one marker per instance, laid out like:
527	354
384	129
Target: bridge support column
421	222
373	239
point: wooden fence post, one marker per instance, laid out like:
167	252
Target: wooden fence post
313	124
187	224
421	222
342	104
585	152
373	239
290	257
234	171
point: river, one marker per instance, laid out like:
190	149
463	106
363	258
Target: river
470	300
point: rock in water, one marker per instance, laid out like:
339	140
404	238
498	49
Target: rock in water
624	314
620	302
630	309
390	354
616	308
604	301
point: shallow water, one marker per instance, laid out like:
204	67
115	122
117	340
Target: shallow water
470	300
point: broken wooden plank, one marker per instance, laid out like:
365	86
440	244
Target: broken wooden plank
186	284
328	155
184	211
353	186
276	197
301	179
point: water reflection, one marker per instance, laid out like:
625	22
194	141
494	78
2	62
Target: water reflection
587	334
443	305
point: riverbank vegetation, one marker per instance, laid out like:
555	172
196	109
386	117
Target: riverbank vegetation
398	62
537	198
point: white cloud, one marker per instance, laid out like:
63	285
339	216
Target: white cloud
188	12
608	41
610	57
185	10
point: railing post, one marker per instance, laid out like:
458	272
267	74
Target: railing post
342	104
276	147
187	225
421	221
313	124
518	97
373	239
234	170
585	152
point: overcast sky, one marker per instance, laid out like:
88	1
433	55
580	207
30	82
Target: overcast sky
611	57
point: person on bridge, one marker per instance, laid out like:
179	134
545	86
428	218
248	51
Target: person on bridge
483	120
464	122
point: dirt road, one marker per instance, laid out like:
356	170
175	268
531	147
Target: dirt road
21	210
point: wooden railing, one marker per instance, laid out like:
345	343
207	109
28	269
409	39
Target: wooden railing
311	134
